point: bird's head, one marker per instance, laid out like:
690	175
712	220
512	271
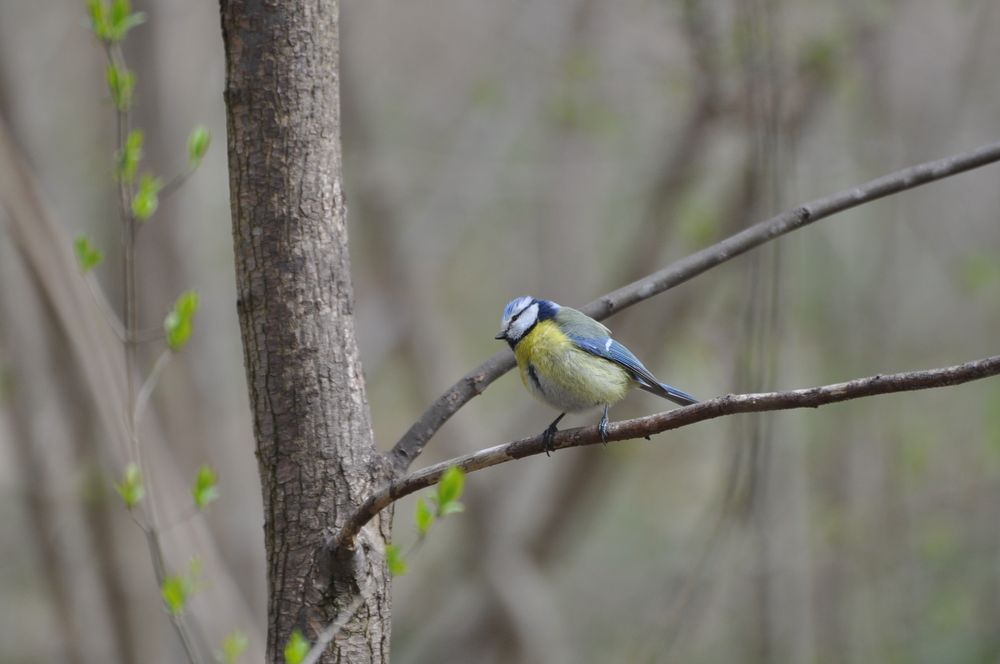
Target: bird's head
521	314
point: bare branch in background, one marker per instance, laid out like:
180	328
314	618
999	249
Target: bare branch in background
685	153
39	483
473	383
93	346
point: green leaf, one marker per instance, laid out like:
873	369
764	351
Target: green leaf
87	255
120	10
179	323
394	559
233	646
296	649
450	486
119	19
134	19
198	144
131	488
121	84
424	517
147	197
177	589
128	160
205	488
174	592
97	11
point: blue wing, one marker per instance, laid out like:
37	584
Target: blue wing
611	350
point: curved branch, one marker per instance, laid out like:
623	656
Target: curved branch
473	383
642	427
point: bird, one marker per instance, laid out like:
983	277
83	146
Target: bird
569	361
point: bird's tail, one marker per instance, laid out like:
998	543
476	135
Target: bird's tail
663	390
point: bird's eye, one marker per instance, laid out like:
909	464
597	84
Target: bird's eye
514	317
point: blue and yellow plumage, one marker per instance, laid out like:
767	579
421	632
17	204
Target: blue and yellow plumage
569	360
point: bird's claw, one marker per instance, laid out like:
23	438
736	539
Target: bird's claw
603	429
548	438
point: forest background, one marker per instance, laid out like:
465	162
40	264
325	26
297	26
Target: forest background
559	149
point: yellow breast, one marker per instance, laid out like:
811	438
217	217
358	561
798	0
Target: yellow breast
569	379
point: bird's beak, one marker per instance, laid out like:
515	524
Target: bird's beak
501	335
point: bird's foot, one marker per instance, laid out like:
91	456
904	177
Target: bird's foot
602	427
548	436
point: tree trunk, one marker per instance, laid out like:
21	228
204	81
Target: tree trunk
313	430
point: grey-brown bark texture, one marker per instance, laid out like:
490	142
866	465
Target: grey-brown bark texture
314	439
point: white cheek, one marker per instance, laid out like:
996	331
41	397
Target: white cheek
520	326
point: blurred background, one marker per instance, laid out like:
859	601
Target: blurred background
562	149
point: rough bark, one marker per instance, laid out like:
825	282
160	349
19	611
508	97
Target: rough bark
315	450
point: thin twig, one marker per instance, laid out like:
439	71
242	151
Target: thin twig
149	385
137	400
642	427
50	267
473	383
116	59
110	317
160	570
175	183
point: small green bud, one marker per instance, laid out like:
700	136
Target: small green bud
128	160
131	488
121	83
97	11
198	144
296	649
234	645
120	10
147	197
178	588
174	592
179	323
205	488
394	560
449	490
118	19
87	255
424	517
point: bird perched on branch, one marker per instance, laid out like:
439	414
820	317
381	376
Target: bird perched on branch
569	360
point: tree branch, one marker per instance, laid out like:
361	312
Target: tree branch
642	427
473	383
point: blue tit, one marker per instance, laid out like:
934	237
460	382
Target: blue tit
569	360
